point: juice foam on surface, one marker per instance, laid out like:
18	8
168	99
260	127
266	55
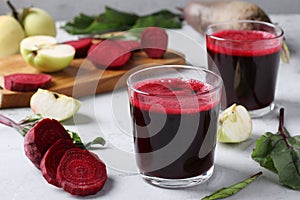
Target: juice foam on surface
244	42
174	96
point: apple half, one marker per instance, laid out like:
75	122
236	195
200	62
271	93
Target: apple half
235	125
54	105
43	53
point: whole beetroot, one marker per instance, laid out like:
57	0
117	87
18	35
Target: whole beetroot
154	41
201	14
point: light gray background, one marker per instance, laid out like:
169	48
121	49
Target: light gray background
67	9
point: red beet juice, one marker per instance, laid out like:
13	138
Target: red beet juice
248	67
174	124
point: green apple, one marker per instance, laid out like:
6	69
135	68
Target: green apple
38	22
11	35
54	105
43	53
235	125
35	21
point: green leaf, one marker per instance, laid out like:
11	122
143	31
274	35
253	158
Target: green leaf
280	153
287	162
98	140
231	190
79	22
77	140
109	21
114	20
120	17
163	19
263	150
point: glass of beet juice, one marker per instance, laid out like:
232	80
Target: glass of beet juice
247	55
174	111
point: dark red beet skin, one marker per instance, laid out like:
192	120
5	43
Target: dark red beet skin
41	137
154	41
26	82
81	172
81	46
130	45
109	54
51	159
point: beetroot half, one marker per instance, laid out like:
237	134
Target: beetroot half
51	159
108	54
81	46
154	41
41	137
130	45
26	82
81	172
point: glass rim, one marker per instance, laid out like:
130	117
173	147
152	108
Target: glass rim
276	27
190	67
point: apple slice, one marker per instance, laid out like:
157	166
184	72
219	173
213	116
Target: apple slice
54	105
43	53
235	125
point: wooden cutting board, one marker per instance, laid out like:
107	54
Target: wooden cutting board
79	79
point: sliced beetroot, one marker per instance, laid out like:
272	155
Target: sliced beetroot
154	41
81	46
109	55
26	82
81	172
92	47
41	137
51	159
130	45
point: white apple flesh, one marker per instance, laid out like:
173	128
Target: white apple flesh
43	53
54	105
235	125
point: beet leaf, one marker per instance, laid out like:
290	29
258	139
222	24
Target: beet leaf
280	153
231	190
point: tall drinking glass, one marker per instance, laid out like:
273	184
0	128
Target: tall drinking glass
247	55
174	111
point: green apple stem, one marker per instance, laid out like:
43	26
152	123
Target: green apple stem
14	10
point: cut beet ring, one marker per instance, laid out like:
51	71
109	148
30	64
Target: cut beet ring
81	172
51	159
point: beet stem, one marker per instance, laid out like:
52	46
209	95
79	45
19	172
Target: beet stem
7	121
281	126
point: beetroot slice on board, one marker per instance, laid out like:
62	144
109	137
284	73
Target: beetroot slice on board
130	45
108	54
154	41
81	172
26	82
51	159
81	46
41	137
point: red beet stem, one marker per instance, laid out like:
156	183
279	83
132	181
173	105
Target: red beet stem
41	137
51	159
26	82
81	172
